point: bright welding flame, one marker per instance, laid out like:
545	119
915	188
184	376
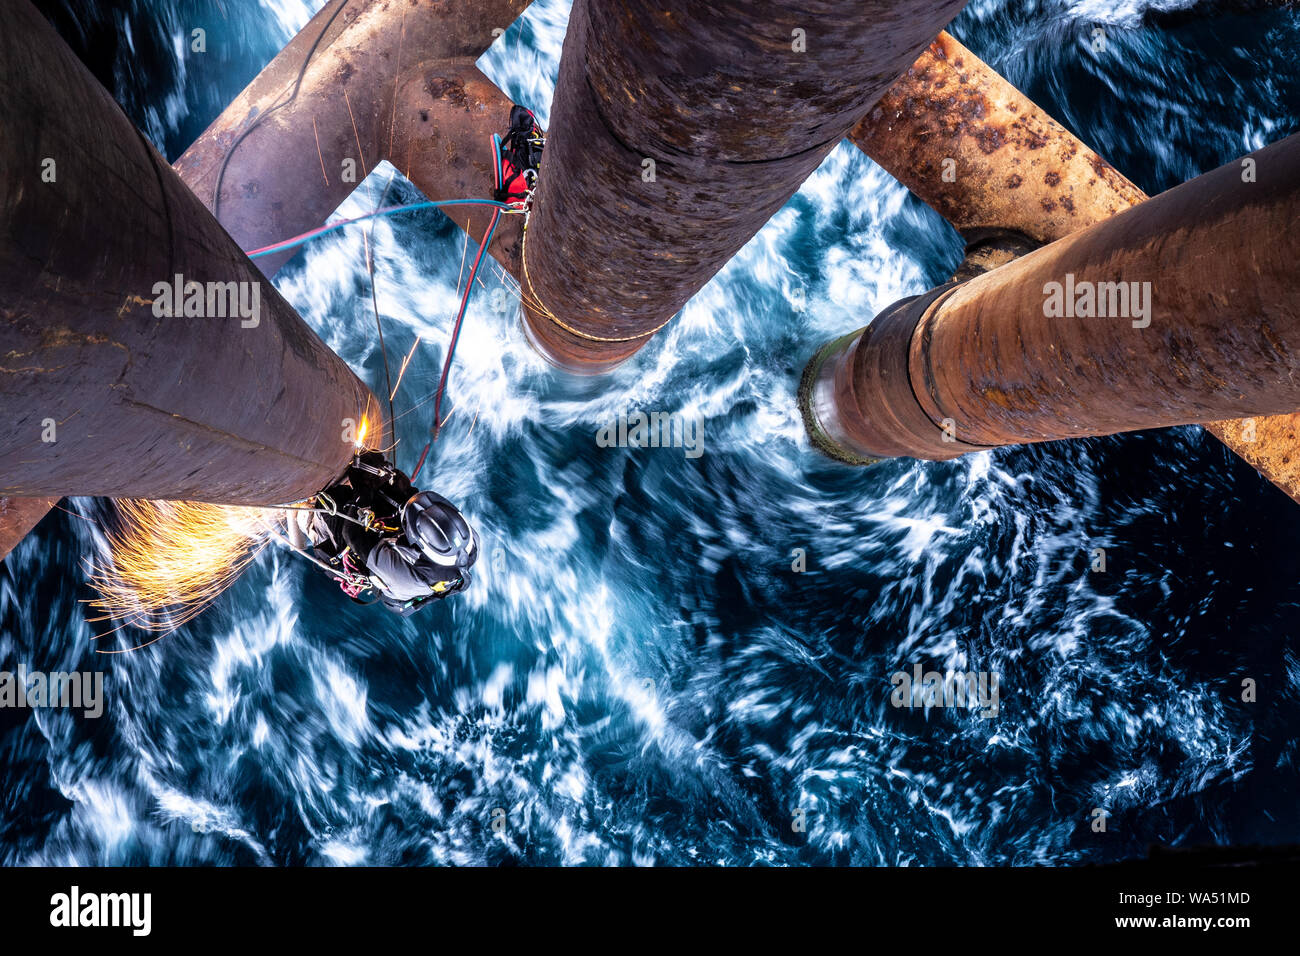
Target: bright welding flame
170	559
361	433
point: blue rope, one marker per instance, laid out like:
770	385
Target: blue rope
325	230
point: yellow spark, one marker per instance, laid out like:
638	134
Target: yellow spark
169	560
405	362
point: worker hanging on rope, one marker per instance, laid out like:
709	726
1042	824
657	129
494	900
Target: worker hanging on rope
375	532
519	157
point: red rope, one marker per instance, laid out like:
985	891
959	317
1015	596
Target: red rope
455	336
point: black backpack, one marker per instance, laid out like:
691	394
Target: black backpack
521	156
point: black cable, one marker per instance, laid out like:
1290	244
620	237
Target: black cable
370	268
388	378
230	150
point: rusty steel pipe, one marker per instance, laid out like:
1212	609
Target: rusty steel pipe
735	104
367	68
104	396
446	112
18	516
989	362
414	65
985	157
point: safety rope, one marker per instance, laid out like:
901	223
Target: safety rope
460	318
540	306
374	302
520	207
353	578
264	114
354	584
387	211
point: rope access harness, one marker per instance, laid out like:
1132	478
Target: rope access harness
510	199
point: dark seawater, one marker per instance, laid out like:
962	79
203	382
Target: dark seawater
637	675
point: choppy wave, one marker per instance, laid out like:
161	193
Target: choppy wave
639	674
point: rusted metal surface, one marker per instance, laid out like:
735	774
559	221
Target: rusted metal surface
384	80
140	405
19	516
446	113
734	118
1221	338
855	394
1269	443
982	155
1010	165
376	61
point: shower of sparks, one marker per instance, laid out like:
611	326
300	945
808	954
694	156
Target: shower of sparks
405	362
170	559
